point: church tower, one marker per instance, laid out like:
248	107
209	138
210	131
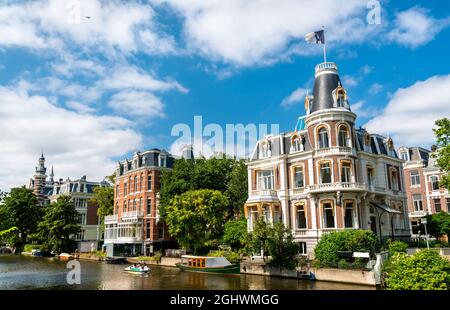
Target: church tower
40	179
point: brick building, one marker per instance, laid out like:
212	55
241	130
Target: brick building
135	227
422	177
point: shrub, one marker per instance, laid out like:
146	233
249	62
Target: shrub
343	264
30	247
397	247
425	270
233	257
235	234
326	250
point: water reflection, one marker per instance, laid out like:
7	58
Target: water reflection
20	272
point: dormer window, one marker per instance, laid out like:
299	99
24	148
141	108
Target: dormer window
343	136
323	138
265	149
404	155
340	97
296	144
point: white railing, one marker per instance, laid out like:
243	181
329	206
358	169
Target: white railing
325	65
337	186
132	214
298	190
111	218
417	213
336	150
264	192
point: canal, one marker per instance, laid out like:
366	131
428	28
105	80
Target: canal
23	273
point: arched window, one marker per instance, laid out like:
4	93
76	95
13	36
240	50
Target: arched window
343	136
296	144
135	184
328	214
323	138
300	217
266	149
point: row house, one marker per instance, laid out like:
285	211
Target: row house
329	175
422	177
135	227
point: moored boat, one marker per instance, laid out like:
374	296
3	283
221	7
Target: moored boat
138	269
65	256
207	264
116	260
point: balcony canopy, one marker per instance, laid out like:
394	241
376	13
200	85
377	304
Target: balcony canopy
385	207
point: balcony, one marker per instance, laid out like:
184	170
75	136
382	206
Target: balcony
335	150
330	187
111	218
132	214
417	213
264	192
325	66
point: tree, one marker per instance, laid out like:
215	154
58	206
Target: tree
104	198
438	224
235	234
425	270
59	224
282	247
237	188
20	209
259	238
226	175
442	133
195	218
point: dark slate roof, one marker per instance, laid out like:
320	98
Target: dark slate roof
324	85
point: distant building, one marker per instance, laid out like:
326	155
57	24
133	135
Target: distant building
81	192
135	228
328	176
422	178
39	184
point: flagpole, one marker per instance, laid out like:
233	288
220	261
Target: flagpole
324	46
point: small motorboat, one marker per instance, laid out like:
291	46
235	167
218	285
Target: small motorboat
116	260
65	256
138	269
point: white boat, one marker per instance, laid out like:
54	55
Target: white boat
142	269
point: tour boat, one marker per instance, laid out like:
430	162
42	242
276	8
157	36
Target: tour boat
207	264
143	269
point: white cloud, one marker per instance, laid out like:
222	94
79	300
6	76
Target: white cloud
75	144
410	114
361	109
414	27
113	25
349	81
295	97
137	103
376	88
80	107
256	32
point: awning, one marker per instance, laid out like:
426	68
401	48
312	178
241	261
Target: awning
385	207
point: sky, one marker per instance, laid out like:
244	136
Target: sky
90	82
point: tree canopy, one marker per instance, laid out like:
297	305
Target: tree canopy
442	133
235	234
59	224
438	224
195	218
20	209
104	198
229	176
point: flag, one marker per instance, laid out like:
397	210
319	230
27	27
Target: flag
317	37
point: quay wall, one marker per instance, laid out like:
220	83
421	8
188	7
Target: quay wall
165	261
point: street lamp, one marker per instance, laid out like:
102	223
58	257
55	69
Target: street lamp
424	222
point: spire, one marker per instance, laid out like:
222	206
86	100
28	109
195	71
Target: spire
51	176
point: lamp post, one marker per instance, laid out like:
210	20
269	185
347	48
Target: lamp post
424	222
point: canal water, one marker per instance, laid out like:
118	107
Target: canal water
23	272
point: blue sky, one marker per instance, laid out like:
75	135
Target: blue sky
89	91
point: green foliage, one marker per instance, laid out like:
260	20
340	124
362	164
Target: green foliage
155	258
282	247
438	224
59	224
104	198
397	247
442	133
233	257
425	270
19	209
30	247
226	175
235	234
195	218
259	238
326	250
